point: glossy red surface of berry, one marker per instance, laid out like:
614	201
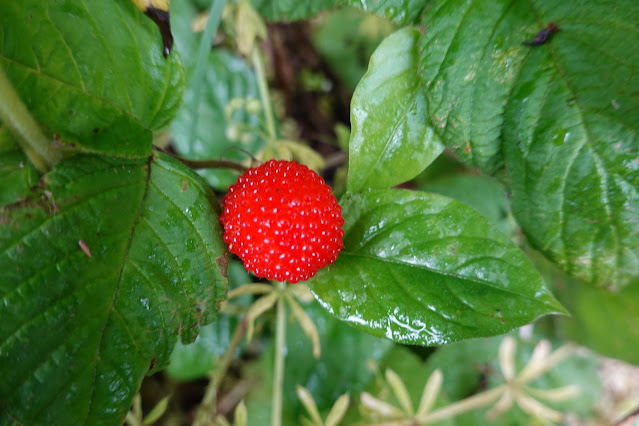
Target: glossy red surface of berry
283	221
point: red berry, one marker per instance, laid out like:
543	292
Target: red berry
283	221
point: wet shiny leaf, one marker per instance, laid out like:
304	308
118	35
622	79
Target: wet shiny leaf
424	269
91	72
79	333
562	116
391	142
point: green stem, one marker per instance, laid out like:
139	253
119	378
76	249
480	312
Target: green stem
265	97
213	22
280	343
14	115
212	164
207	407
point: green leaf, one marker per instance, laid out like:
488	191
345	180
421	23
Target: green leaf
197	359
603	321
564	112
471	366
599	319
227	77
341	368
414	376
101	269
423	269
17	174
390	140
290	10
400	11
346	39
91	72
484	194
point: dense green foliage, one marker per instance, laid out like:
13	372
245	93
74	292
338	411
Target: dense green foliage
115	255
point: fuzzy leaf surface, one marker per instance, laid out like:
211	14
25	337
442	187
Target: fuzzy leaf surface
91	72
562	116
424	269
391	141
101	268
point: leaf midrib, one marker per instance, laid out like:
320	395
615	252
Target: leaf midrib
117	286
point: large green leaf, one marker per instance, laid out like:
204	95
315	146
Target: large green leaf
424	269
91	72
101	268
565	112
390	140
342	367
197	359
400	11
290	10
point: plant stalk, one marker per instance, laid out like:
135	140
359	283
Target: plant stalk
207	407
15	115
212	164
280	343
213	22
265	97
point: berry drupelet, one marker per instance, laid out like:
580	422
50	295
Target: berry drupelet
283	221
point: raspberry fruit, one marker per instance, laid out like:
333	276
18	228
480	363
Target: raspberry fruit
283	221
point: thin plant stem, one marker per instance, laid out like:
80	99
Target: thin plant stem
207	407
213	22
265	97
15	115
278	375
212	164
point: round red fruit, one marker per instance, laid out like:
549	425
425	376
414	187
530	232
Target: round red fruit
283	221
